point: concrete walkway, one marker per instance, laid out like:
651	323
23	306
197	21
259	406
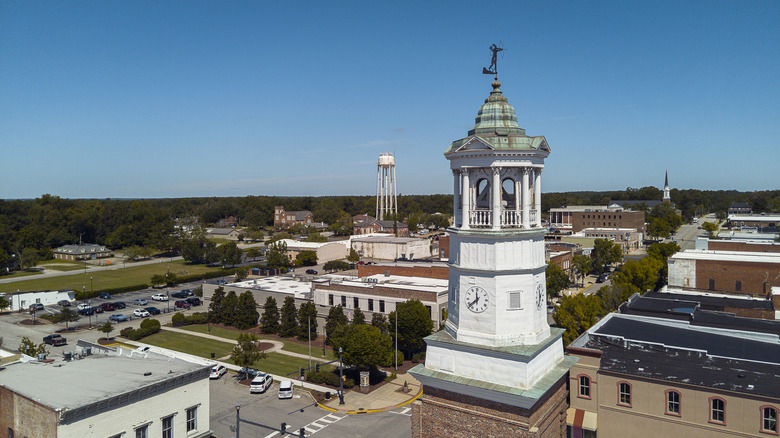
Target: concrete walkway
388	396
90	268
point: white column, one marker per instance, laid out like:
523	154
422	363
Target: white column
466	199
538	196
518	208
496	195
456	213
526	201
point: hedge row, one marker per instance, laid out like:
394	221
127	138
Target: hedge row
148	327
328	378
180	319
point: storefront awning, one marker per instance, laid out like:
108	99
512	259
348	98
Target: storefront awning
581	419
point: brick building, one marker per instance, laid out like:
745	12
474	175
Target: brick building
667	368
82	251
626	238
730	272
374	226
763	223
608	219
741	245
406	269
286	219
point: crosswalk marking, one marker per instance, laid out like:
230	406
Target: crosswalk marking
404	411
312	427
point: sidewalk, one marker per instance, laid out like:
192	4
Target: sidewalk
388	396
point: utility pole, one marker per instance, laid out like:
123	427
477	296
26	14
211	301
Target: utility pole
341	380
396	337
309	319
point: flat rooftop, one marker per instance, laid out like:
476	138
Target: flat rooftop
387	239
395	281
78	383
734	256
296	286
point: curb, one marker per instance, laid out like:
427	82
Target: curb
371	411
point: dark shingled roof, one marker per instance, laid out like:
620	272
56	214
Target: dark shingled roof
709	302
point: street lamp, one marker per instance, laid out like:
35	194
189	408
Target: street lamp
238	419
396	337
341	380
91	286
309	318
167	294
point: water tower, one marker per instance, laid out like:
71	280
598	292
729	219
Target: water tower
386	193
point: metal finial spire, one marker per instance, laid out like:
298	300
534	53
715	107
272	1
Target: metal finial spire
493	70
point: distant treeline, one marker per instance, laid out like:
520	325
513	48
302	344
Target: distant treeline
50	221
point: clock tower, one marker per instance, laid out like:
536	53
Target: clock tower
497	357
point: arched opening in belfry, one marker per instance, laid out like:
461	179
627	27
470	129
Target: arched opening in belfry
508	193
483	193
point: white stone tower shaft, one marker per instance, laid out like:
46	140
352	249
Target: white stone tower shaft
386	191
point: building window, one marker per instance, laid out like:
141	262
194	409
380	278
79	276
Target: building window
381	306
738	286
167	427
712	284
355	303
192	419
142	432
514	300
624	394
673	402
584	390
330	299
717	410
769	419
343	301
370	305
10	433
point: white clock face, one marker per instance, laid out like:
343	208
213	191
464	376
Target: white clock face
476	299
539	296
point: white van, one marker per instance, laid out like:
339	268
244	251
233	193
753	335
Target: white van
261	383
286	389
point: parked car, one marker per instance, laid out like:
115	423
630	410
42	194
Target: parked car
34	307
181	304
188	292
261	383
97	309
104	295
55	340
217	371
179	295
311	272
152	310
108	307
139	302
220	282
119	304
88	311
194	301
64	303
160	297
82	306
141	313
118	317
248	371
602	278
286	389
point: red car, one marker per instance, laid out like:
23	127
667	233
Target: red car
108	307
181	304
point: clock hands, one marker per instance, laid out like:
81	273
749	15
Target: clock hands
471	304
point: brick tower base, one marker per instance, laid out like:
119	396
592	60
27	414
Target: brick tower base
441	413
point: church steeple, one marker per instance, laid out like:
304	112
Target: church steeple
667	197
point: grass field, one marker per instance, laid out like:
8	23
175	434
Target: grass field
288	346
105	279
281	365
194	345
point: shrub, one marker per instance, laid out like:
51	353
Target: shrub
197	318
418	357
327	377
150	323
392	376
178	319
125	332
391	357
348	383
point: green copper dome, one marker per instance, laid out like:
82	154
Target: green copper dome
496	125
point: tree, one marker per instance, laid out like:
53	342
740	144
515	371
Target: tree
241	274
269	322
414	323
364	346
662	252
211	255
641	273
605	252
277	256
316	237
710	228
289	323
29	348
307	314
106	328
557	280
576	314
192	251
215	308
353	256
253	253
4	304
379	321
358	317
582	266
334	321
30	258
336	265
343	225
615	294
67	316
306	258
230	254
246	311
246	352
229	309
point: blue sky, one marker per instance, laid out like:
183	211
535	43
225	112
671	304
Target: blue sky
170	99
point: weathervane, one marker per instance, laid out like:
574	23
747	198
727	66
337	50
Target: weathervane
493	70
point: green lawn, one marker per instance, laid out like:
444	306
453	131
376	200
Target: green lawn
288	345
105	279
281	365
194	345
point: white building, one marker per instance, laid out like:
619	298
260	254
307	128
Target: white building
391	248
326	251
23	300
108	393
